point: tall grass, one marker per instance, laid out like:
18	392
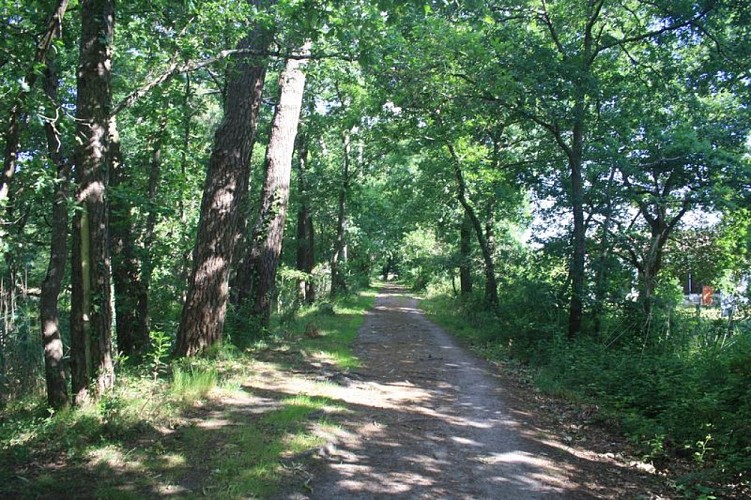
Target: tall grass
192	384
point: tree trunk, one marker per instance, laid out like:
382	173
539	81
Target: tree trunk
652	264
203	313
576	195
601	270
262	259
125	263
143	327
91	315
52	343
128	271
305	261
185	264
16	120
465	257
491	285
338	284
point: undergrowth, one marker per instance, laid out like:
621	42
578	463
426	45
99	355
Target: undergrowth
680	399
145	439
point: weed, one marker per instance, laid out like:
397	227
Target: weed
161	344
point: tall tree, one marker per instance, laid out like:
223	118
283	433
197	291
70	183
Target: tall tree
491	284
579	42
130	261
465	256
52	343
260	264
17	119
683	154
125	262
227	178
91	314
305	237
338	283
147	265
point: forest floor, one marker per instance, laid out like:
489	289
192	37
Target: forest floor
414	416
427	419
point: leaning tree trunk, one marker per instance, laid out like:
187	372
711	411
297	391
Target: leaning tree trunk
491	284
465	249
52	343
260	265
12	133
203	313
91	314
305	261
652	264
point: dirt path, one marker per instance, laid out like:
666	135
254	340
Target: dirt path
432	421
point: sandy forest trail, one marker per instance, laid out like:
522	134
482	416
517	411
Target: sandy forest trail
433	421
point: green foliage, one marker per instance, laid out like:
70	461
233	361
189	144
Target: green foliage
21	365
420	258
681	398
161	345
336	331
145	435
500	91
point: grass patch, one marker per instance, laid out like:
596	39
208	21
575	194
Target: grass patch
192	384
477	330
165	429
249	464
335	330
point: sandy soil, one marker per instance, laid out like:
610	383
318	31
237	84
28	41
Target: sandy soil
431	420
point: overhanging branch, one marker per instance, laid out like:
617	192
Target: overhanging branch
175	69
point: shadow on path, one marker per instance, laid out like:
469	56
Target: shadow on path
430	421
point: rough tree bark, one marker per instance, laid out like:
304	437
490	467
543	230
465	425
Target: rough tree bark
305	261
203	313
91	315
260	264
52	343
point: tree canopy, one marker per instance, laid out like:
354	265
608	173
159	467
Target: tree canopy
592	155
